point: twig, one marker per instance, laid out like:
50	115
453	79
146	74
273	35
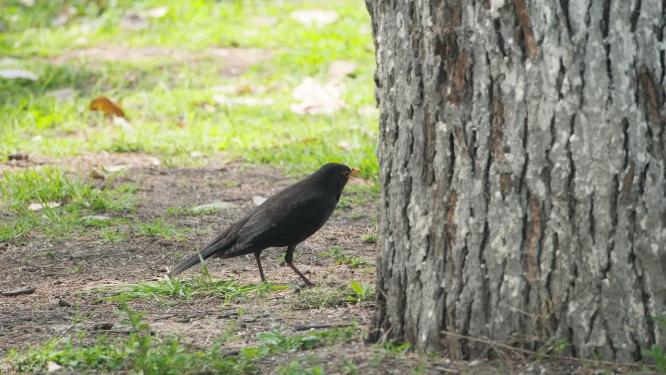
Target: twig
543	355
17	292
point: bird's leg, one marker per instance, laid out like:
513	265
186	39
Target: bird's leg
288	259
257	255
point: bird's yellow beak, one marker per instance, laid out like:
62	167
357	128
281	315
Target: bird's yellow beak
355	171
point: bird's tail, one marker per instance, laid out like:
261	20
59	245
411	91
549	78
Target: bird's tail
210	250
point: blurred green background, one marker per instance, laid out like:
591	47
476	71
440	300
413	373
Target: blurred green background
285	83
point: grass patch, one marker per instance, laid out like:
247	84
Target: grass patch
370	238
336	253
143	352
201	286
171	103
78	201
49	184
160	228
657	354
324	297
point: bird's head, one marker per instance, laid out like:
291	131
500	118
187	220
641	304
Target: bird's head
336	175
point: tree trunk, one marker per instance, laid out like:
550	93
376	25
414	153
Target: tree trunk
523	166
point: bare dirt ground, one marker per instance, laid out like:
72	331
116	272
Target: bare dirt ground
71	277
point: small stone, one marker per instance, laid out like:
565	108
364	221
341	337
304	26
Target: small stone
52	366
103	326
18	74
41	206
63	303
97	175
219	205
258	200
114	168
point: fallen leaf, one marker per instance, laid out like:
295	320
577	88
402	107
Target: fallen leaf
341	69
181	122
120	121
316	98
52	366
344	145
158	12
249	101
106	106
314	17
369	111
264	21
64	16
154	161
133	21
41	206
258	200
18	74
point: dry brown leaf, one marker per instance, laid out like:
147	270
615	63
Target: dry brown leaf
106	106
314	97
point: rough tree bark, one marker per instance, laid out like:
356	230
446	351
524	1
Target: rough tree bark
523	166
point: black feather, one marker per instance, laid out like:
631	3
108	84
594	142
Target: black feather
285	219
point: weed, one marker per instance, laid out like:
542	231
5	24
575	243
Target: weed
139	352
163	100
321	297
162	229
658	354
142	352
77	197
112	235
360	292
352	261
277	342
370	238
298	367
348	368
49	184
201	286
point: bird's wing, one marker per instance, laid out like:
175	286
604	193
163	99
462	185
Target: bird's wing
287	217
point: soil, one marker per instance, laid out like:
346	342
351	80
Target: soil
72	276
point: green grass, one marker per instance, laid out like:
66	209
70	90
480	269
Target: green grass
160	228
337	254
201	286
320	297
143	352
370	238
169	103
657	354
76	197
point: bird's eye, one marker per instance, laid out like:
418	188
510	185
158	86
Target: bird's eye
345	173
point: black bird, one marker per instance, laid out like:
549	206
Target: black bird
285	219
